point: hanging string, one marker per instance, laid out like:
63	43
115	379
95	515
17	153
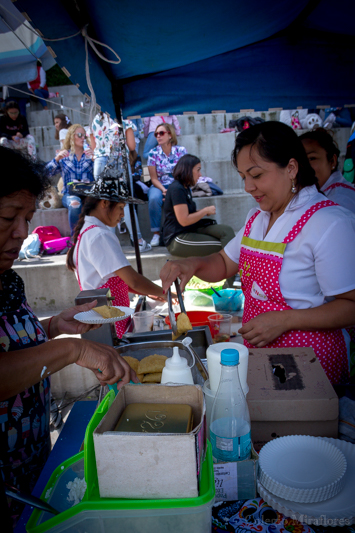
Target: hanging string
88	40
46	100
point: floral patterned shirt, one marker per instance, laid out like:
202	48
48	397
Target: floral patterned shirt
102	129
24	418
165	163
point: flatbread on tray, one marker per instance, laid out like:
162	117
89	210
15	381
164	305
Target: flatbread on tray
151	364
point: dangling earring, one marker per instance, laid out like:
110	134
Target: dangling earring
293	188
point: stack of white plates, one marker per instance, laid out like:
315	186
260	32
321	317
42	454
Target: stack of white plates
309	478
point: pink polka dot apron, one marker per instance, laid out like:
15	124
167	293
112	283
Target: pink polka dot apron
335	185
118	288
260	266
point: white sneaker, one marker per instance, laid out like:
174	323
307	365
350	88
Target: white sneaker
155	240
144	246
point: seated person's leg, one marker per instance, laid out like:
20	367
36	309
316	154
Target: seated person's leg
222	232
194	244
155	205
73	204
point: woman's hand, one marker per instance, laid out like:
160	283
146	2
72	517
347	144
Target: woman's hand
108	366
66	323
172	270
61	154
15	138
89	153
19	135
210	210
264	328
163	190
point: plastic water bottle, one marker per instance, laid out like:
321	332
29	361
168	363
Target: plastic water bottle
230	419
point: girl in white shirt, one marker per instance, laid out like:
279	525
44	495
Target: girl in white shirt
61	123
295	254
97	257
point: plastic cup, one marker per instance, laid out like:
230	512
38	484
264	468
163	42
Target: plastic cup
220	327
143	321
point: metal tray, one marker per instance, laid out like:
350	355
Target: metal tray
200	335
139	350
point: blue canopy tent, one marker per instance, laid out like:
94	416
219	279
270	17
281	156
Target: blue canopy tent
19	48
202	55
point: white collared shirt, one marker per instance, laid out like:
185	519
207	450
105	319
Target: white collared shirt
340	195
100	255
320	262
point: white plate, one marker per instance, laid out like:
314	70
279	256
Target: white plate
337	511
91	317
301	468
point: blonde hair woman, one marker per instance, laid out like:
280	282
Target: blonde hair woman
161	162
76	165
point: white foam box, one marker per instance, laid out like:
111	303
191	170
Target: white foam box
289	394
151	465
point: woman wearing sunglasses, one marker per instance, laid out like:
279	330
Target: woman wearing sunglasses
14	131
161	162
75	165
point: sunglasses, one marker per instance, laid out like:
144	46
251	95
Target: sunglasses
160	133
14	113
80	135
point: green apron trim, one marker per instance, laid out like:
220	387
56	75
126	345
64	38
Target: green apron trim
276	247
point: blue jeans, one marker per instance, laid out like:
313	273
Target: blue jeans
73	204
150	143
99	165
43	93
155	197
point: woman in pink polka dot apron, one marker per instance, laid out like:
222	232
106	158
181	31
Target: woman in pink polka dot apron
118	288
296	254
101	262
323	154
259	272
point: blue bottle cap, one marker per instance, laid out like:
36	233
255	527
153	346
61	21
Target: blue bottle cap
229	357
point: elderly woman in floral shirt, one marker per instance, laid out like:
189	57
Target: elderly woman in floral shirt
161	163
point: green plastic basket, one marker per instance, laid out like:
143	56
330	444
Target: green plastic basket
117	508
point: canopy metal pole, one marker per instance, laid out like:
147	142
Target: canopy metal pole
128	179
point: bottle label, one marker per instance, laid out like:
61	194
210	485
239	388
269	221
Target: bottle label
228	450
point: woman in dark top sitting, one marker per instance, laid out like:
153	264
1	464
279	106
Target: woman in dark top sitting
14	132
186	232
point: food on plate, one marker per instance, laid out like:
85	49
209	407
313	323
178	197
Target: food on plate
108	312
151	364
140	377
155	377
133	363
183	325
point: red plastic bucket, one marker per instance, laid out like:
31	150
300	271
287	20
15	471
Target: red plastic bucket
197	318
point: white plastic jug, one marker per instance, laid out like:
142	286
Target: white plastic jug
176	369
213	354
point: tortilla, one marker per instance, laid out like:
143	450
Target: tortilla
140	377
152	378
183	325
133	363
151	364
108	312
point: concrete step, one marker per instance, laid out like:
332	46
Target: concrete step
46	153
45	117
44	136
51	287
214	122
